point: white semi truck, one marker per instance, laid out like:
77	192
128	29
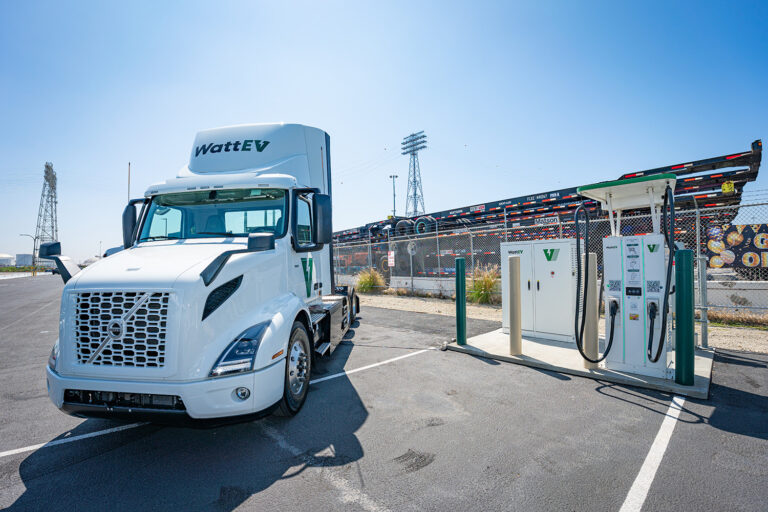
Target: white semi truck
222	294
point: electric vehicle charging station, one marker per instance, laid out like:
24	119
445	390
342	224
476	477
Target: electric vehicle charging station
637	276
638	292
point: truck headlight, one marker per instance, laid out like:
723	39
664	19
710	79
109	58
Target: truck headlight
54	357
240	355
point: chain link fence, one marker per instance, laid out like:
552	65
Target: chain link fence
730	244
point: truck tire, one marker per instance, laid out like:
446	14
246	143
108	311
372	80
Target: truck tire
298	368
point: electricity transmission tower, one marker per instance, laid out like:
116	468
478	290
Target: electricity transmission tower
47	225
411	145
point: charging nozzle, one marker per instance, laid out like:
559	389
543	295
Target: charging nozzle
613	309
653	310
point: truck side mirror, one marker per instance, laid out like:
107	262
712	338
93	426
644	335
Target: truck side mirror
129	224
323	231
49	249
52	251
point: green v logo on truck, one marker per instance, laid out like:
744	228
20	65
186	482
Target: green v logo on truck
551	254
653	247
306	264
238	145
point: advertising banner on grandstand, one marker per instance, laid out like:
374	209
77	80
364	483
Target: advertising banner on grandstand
738	246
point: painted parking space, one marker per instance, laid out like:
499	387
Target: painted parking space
394	425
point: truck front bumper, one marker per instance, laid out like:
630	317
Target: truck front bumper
204	399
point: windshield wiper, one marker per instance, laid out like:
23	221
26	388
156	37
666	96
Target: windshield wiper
160	237
218	233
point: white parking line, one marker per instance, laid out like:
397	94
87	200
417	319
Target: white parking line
29	314
341	374
70	439
639	490
349	493
134	425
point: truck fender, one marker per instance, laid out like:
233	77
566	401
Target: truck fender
274	345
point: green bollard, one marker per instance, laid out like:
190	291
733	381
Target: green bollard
684	340
461	302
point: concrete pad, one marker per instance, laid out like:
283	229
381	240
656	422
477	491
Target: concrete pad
565	358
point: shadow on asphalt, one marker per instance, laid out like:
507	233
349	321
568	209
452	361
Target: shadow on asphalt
486	360
739	360
154	467
735	410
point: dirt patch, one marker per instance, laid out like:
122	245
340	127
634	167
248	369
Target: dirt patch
729	338
433	306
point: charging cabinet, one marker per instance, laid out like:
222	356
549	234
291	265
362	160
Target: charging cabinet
635	277
548	287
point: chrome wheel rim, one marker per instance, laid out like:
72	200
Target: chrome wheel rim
297	368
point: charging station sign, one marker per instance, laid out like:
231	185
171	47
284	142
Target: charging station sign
738	246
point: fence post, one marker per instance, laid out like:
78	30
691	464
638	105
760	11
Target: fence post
505	224
461	303
701	267
370	264
704	301
684	316
472	257
410	256
437	241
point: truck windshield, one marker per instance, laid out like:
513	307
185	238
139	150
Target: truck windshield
215	213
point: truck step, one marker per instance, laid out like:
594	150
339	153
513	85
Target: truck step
323	349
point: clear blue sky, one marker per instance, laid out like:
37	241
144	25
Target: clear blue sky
516	97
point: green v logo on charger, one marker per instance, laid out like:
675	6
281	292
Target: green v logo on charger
551	254
653	247
306	265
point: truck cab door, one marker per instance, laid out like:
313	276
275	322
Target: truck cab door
306	272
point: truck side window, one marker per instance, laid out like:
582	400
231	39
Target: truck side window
304	220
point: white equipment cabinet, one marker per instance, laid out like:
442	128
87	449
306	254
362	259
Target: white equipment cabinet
548	281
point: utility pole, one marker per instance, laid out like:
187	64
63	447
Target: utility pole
34	248
394	210
129	181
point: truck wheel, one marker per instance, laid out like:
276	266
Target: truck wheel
298	368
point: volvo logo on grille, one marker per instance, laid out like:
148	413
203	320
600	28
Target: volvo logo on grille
115	329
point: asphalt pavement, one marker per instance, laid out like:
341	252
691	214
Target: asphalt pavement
430	431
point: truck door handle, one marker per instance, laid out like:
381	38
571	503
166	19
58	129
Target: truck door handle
537	285
529	284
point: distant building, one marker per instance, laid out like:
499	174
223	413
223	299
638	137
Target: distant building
6	260
24	260
46	263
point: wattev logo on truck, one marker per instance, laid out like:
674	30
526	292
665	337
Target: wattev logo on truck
306	264
238	145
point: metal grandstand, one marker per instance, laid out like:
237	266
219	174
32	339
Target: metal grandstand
712	182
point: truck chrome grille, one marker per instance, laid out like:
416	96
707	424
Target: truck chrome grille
122	328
